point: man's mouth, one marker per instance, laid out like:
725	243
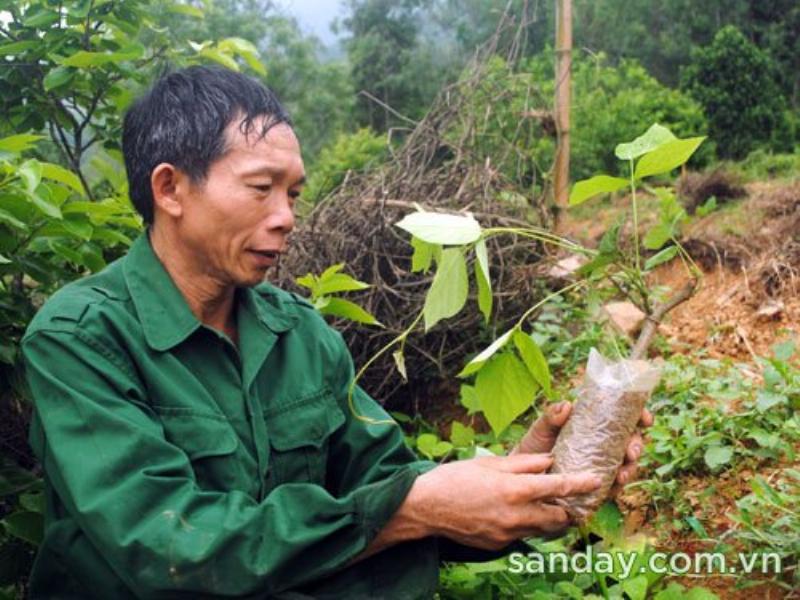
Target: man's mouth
267	253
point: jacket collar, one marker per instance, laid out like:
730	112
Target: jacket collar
163	311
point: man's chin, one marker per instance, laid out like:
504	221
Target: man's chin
252	279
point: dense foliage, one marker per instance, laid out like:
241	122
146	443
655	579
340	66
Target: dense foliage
736	83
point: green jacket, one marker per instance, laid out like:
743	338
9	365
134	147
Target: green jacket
177	466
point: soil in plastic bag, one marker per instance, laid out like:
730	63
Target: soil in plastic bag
608	407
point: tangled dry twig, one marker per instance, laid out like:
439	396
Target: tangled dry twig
442	165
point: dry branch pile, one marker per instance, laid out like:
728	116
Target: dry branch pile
442	165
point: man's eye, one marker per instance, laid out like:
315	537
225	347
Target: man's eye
294	194
262	188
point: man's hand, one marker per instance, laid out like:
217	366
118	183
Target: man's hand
485	502
541	437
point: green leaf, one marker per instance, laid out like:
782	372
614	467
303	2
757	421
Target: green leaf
400	363
431	446
45	205
9	219
469	399
4	260
448	292
505	389
19	143
25	525
439	228
657	236
674	591
567	589
764	491
697	526
17	47
708	207
700	593
339	282
31	174
609	243
636	587
339	307
219	57
599	184
186	9
87	60
534	359
78	227
62	175
607	522
65	252
482	279
647	142
307	281
476	363
667	157
246	50
461	435
41	18
422	258
33	501
57	77
666	255
766	400
717	456
784	351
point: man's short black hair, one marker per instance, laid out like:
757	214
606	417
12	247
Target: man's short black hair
181	120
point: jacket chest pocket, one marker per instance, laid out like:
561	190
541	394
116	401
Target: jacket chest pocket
209	442
299	436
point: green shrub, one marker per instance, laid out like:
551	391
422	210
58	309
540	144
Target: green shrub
736	83
349	152
609	103
763	164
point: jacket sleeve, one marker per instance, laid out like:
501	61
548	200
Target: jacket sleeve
135	497
366	452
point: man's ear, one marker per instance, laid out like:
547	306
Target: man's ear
169	189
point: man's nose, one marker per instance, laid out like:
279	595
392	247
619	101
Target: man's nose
283	216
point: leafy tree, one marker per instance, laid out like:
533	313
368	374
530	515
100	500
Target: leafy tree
349	152
388	62
736	84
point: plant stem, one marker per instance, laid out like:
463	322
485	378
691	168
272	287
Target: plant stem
601	581
350	402
635	220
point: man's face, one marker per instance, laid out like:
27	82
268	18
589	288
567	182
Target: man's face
237	220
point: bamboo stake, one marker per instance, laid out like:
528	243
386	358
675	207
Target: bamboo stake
562	99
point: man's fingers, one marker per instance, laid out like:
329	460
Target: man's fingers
646	420
627	473
634	450
560	485
543	517
523	463
543	433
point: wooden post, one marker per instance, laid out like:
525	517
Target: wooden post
562	100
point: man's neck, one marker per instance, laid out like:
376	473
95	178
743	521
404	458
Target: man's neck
209	299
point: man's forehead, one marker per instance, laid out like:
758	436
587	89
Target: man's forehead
256	152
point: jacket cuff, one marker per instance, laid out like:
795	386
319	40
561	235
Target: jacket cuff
376	503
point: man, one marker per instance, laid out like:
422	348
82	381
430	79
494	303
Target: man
193	422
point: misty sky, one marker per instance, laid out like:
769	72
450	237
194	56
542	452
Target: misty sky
315	16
